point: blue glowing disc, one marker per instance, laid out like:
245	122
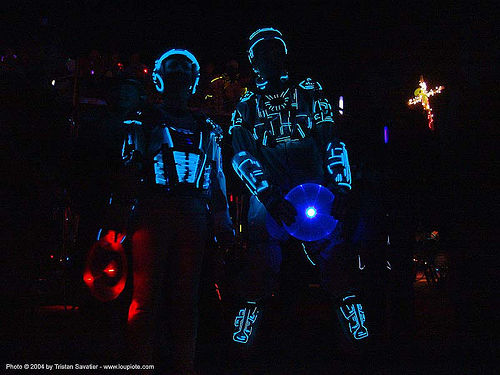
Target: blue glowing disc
313	203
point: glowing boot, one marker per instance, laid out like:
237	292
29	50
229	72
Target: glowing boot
245	323
352	318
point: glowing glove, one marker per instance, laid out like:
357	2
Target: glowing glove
279	208
340	204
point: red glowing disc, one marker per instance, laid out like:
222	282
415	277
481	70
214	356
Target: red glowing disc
106	270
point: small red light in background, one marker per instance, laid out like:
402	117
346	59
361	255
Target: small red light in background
145	71
218	292
51	256
231	198
120	65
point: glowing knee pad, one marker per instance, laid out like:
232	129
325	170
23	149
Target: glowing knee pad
352	318
245	323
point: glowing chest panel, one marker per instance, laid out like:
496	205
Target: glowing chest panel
186	165
182	159
279	118
277	102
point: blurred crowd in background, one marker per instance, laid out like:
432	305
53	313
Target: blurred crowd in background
96	78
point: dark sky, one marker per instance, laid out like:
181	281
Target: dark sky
372	54
346	35
344	44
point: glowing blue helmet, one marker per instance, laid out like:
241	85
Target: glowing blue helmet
158	69
266	33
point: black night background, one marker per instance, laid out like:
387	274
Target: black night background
373	55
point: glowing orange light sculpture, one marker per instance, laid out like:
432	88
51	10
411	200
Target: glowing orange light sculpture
422	96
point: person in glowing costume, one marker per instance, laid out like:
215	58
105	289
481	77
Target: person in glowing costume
173	182
283	135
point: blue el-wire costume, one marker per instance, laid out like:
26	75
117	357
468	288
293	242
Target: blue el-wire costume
285	139
162	157
282	140
173	184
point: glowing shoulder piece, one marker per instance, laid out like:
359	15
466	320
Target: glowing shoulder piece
250	171
309	84
134	118
247	96
132	122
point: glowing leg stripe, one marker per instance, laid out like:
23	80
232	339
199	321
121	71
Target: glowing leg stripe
307	255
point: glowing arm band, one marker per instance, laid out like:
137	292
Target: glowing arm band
337	164
250	171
